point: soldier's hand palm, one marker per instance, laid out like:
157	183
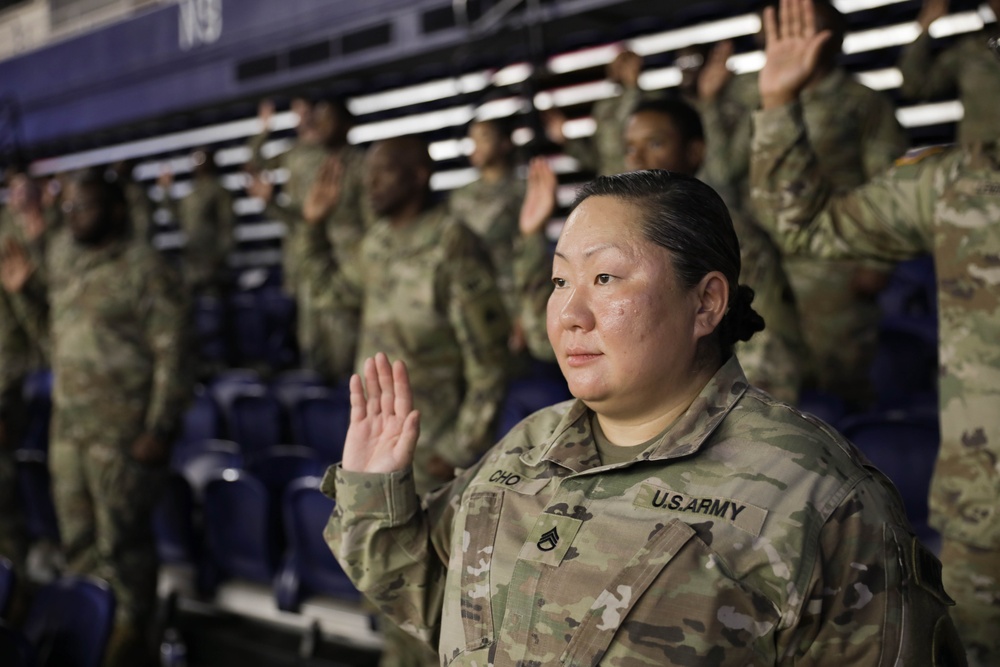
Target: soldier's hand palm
792	51
540	198
16	268
931	11
384	426
716	73
325	192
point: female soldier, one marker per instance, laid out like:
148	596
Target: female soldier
671	514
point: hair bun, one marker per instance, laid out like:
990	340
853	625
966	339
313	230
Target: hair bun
742	321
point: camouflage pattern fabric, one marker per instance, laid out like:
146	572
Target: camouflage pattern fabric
604	152
747	534
943	201
856	135
118	320
427	296
969	68
533	285
206	216
773	359
140	211
492	211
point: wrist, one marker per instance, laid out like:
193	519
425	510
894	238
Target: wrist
777	99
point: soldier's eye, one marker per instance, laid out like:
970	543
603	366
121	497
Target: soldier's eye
603	278
559	282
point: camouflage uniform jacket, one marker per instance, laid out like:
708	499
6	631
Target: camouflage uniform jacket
946	203
604	152
206	216
118	346
969	67
140	211
428	297
748	534
533	286
492	211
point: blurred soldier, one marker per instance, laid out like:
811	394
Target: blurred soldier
968	67
856	135
206	216
328	344
602	153
942	201
667	134
117	318
426	291
140	207
490	205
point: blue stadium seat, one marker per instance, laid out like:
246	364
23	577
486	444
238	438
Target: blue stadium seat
198	462
8	579
255	421
210	328
320	419
15	648
309	567
904	446
173	522
237	528
278	466
911	291
526	396
288	387
38	405
35	489
249	329
202	420
822	405
279	323
69	622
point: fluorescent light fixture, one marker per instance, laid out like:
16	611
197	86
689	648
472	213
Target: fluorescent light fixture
150	171
169	240
398	127
881	79
260	231
211	134
501	108
450	149
987	14
248	206
930	114
880	38
570	95
522	136
512	74
704	33
235	155
424	92
956	24
657	79
452	179
584	58
565	194
579	127
850	6
751	61
234	182
563	164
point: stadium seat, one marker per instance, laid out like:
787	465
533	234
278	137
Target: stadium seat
198	462
8	578
202	420
278	466
210	328
35	488
279	324
904	446
320	419
173	522
528	395
255	421
904	371
38	406
827	407
237	528
911	291
309	567
15	648
69	622
249	329
288	387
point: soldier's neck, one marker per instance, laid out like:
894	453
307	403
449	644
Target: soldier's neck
407	213
494	173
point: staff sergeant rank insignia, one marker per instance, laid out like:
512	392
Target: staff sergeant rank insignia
549	540
742	515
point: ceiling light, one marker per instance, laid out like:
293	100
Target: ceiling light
930	114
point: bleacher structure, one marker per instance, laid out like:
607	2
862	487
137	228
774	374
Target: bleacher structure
521	56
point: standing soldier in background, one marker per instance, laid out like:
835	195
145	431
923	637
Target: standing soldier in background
942	201
117	317
426	291
491	204
206	217
967	68
856	136
602	153
140	207
328	342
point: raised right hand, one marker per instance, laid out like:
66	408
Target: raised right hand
540	199
384	427
930	12
552	121
16	266
259	186
324	194
793	50
265	112
715	73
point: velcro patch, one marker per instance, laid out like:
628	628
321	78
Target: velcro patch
748	518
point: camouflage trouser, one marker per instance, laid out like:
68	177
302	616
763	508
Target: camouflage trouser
13	534
328	339
403	649
104	501
972	578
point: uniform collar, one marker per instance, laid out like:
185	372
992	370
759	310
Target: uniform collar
828	85
571	444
